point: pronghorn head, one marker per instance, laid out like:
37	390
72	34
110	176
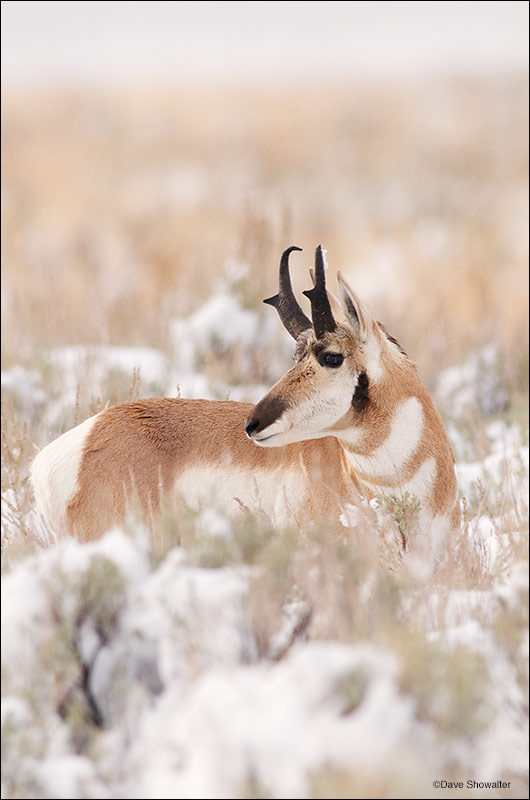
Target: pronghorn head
340	359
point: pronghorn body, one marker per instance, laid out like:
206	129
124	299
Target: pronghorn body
144	450
349	419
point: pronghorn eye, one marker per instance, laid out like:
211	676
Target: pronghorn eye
331	359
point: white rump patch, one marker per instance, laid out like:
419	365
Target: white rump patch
54	475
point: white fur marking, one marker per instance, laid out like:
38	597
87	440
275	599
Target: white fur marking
420	486
54	475
422	482
440	527
372	351
403	440
279	493
311	418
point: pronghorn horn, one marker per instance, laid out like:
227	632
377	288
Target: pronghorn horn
285	303
334	302
323	319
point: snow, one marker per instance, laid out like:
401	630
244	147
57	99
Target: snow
501	468
181	669
284	720
15	711
214	522
218	324
475	384
203	622
222	328
77	778
81	363
505	741
193	704
197	618
26	384
89	367
26	610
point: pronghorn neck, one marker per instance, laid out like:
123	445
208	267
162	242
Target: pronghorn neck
349	417
381	453
352	380
401	447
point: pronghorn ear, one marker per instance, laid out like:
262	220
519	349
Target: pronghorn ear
356	314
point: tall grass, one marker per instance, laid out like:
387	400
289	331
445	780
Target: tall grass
123	210
120	210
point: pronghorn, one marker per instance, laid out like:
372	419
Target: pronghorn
349	420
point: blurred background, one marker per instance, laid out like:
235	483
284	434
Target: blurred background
157	153
157	158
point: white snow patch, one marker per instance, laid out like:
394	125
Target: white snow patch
475	384
15	711
209	719
26	613
214	523
222	330
217	325
88	367
273	725
74	360
197	617
26	384
69	776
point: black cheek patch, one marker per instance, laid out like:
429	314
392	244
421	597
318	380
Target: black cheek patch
361	397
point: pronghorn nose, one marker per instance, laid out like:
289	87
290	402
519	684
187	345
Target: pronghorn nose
267	411
251	426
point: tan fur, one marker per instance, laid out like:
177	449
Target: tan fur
139	449
326	436
399	382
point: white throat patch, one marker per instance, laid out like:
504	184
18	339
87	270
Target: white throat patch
390	457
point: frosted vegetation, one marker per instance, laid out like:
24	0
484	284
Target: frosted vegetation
220	657
224	658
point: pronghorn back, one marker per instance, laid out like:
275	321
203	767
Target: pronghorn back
146	449
349	419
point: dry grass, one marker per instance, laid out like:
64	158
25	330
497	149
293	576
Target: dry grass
122	210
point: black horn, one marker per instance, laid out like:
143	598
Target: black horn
285	302
323	319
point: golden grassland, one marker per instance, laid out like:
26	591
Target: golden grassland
122	210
